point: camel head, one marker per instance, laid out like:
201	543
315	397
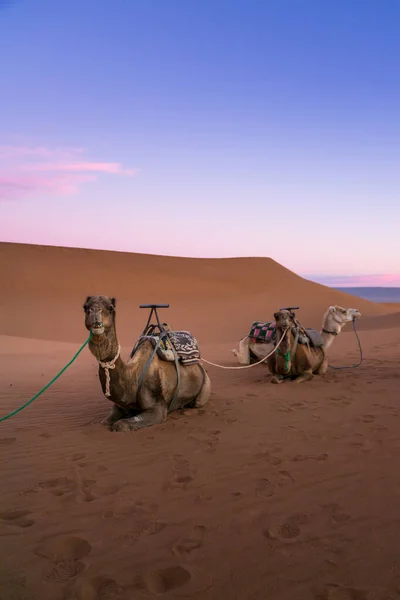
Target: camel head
337	316
284	319
99	314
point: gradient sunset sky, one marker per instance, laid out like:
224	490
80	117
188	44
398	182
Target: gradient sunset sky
207	128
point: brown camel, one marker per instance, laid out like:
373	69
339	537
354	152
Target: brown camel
119	380
300	361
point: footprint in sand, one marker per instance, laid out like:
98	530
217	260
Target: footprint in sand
137	510
367	418
63	548
287	530
65	570
17	518
95	468
140	529
78	456
7	441
213	441
183	473
336	514
65	553
161	581
269	459
89	490
188	545
285	477
57	487
264	488
99	587
334	591
301	457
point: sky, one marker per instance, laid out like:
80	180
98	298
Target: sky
206	128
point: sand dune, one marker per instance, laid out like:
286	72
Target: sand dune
283	492
44	289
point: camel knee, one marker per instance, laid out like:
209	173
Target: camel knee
204	395
304	377
116	413
147	418
277	379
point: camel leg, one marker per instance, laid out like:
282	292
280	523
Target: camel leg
204	395
115	414
279	379
153	416
243	354
307	375
323	368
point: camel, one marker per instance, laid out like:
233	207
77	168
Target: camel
299	361
333	321
120	380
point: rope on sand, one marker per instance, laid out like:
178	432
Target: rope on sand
14	412
248	366
360	349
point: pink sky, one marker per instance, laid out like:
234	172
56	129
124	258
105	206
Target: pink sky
62	171
57	188
385	280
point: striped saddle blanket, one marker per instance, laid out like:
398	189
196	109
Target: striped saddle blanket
265	333
184	344
262	333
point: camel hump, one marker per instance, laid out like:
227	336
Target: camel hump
184	345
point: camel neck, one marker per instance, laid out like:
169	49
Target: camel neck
329	333
283	352
105	347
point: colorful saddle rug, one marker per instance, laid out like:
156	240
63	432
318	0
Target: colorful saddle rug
262	333
184	344
265	333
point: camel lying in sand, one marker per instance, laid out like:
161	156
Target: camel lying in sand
332	323
299	361
119	380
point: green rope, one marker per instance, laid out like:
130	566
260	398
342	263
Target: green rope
49	384
286	357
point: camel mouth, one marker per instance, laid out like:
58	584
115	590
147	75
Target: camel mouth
97	329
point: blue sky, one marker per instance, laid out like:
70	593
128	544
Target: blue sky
205	128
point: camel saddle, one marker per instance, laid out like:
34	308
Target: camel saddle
309	336
265	333
262	333
314	337
185	346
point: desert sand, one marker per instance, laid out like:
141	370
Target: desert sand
284	492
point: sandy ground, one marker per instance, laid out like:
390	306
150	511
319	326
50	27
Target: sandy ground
286	492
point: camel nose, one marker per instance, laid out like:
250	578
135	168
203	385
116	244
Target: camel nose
97	319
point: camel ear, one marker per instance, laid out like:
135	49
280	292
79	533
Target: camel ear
276	315
86	301
111	306
332	309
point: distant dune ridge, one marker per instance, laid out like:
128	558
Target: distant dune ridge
43	289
